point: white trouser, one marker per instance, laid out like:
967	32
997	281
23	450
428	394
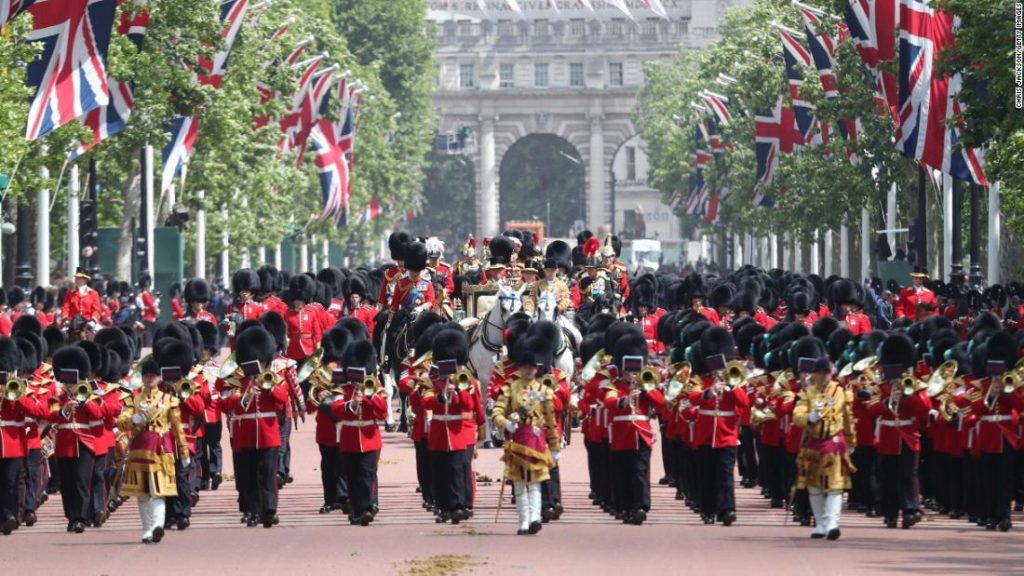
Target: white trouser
389	393
152	510
522	504
827	507
534	494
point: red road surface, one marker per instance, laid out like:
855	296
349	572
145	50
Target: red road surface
584	541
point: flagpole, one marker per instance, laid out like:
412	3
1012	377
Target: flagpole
147	206
74	188
200	265
947	225
994	230
43	226
225	254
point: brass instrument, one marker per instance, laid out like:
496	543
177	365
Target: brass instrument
228	368
549	381
909	385
735	374
1010	381
267	380
81	392
649	379
184	388
310	365
370	386
868	370
892	403
591	367
847	370
941	378
15	389
463	380
320	387
232	386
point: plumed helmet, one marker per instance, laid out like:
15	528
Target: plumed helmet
451	344
245	280
278	328
469	248
197	290
415	257
396	244
255	344
302	287
435	247
360	354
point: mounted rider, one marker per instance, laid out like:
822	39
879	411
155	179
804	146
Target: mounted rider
556	260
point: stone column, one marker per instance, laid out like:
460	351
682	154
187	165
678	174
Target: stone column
200	267
43	229
829	269
225	254
74	188
814	261
488	179
773	250
596	216
844	250
947	227
865	244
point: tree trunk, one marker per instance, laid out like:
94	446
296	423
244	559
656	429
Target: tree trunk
132	202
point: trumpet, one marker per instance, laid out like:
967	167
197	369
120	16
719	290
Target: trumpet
267	380
649	379
15	389
909	385
370	386
1010	381
81	392
549	381
735	374
184	388
463	380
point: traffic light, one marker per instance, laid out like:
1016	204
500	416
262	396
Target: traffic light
88	231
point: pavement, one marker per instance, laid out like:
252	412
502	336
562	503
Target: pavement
405	540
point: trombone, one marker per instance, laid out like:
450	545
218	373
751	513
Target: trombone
1007	384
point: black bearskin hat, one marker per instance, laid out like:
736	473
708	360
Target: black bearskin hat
451	344
360	354
255	344
245	280
197	290
302	287
415	256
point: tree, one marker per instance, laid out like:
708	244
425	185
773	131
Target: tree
449	193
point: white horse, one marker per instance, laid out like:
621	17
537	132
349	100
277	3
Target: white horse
487	339
547	309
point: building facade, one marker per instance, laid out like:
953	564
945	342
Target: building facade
573	73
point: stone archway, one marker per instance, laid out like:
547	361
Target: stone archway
542	177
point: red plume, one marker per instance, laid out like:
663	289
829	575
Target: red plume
487	242
471	241
591	246
536	239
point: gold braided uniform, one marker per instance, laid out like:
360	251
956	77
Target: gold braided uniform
823	461
150	468
534	404
560	288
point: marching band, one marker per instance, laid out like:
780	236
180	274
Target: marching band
783	379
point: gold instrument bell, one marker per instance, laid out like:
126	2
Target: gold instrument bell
370	386
267	380
184	388
549	381
649	379
941	377
81	392
1010	381
463	380
735	374
15	389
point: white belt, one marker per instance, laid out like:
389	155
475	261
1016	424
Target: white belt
358	423
716	412
988	418
11	423
446	417
896	423
631	418
79	425
256	415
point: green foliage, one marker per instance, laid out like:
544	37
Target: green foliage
536	175
448	196
236	165
816	189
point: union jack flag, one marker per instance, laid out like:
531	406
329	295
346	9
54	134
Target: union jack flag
291	123
872	25
268	94
332	167
183	131
657	7
718	105
712	212
11	8
372	211
313	107
823	48
106	121
796	56
776	132
70	74
928	99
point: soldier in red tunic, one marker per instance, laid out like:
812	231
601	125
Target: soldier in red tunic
254	406
396	244
358	413
914	296
197	296
719	405
900	414
14	411
245	284
82	301
305	325
358	306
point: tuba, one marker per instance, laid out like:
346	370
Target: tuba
319	387
15	389
942	377
310	365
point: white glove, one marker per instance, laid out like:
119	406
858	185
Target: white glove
137	419
511	427
186	462
813	417
556	455
536	430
